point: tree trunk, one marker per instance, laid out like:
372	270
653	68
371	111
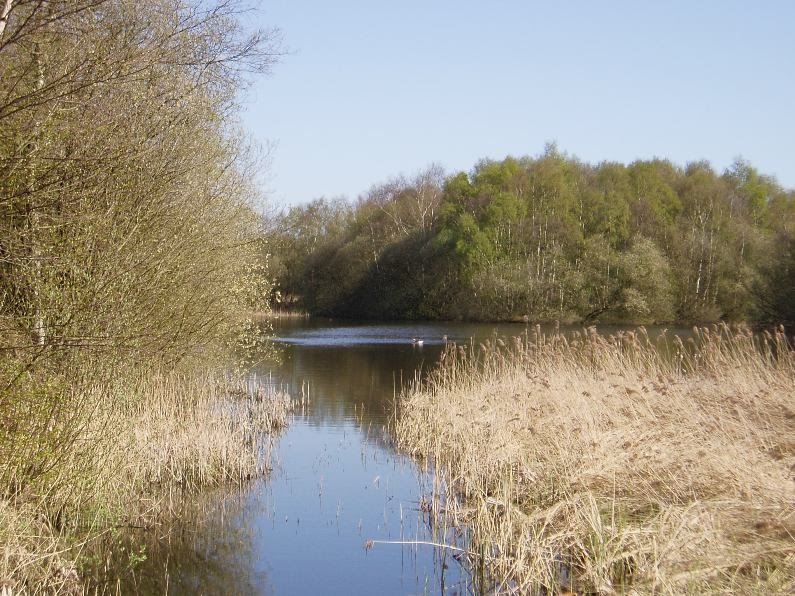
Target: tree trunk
39	330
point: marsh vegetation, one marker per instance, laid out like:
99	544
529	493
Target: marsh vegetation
603	464
132	253
129	478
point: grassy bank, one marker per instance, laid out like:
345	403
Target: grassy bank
601	464
147	446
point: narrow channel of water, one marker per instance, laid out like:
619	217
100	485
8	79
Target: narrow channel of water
331	517
338	484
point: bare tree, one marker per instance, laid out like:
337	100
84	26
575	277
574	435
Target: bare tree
127	235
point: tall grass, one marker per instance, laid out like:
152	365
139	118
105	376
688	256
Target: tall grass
603	464
151	443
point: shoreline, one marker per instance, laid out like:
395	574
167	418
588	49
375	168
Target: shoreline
529	321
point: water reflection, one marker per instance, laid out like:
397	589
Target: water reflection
332	494
209	551
355	383
354	371
337	485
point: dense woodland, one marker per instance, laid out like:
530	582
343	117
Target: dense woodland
547	238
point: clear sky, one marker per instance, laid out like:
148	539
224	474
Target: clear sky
373	88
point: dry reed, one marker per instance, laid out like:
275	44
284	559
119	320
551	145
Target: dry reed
618	464
166	438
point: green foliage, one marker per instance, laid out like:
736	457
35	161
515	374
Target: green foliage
753	192
654	204
646	280
775	285
606	206
552	238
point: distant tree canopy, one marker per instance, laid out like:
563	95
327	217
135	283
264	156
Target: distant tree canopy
548	238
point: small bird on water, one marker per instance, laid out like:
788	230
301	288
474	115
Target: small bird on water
417	341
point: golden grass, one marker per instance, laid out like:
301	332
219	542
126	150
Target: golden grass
614	465
164	438
195	432
32	559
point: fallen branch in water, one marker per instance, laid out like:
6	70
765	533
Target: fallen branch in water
370	543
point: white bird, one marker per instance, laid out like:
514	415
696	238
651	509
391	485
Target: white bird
417	341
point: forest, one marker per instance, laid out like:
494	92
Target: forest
546	238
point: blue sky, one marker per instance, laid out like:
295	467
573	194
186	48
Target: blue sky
372	89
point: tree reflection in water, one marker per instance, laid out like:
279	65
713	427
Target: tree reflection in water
208	551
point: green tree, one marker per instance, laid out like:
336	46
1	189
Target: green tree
654	204
774	286
700	247
646	280
605	204
549	237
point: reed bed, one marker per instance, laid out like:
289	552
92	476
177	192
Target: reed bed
150	446
213	436
617	464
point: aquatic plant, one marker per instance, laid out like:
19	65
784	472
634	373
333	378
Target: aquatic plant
170	437
605	464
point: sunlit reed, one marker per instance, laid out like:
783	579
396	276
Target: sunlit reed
603	464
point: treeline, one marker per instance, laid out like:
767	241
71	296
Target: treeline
547	238
128	240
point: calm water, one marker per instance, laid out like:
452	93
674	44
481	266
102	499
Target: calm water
337	481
